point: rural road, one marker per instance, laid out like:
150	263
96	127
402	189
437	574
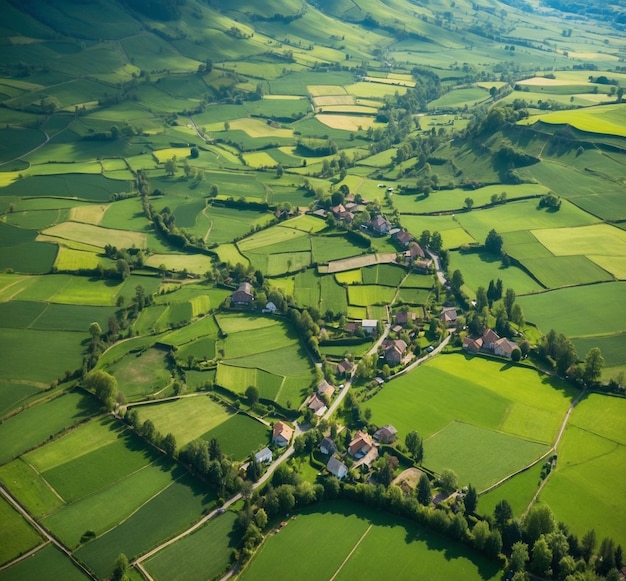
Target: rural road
28	152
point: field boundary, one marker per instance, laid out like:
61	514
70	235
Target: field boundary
356	546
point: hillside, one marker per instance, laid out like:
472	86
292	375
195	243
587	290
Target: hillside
217	226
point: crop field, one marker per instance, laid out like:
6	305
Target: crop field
16	394
452	235
459	98
604	310
199	556
332	295
608	119
139	375
239	436
18	536
327	248
479	456
36	424
351	538
47	564
559	271
307	288
384	274
370	294
594	444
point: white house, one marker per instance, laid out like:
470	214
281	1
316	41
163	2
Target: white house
369	325
264	456
337	468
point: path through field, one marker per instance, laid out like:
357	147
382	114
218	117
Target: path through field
356	546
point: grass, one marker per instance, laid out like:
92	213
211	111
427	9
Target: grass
560	271
479	456
36	424
17	533
49	559
96	235
332	296
337	529
608	119
327	248
307	288
142	374
202	555
239	436
16	394
364	295
599	240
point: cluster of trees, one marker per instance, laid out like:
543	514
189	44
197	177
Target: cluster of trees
147	429
550	201
560	353
127	259
103	385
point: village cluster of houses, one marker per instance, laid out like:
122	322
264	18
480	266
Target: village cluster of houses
490	342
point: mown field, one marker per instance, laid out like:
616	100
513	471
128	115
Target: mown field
351	537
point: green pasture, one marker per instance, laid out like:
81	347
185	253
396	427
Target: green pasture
236	322
479	456
22	254
599	240
269	236
608	119
352	539
586	487
186	418
332	295
560	271
458	98
327	248
36	424
452	234
239	436
110	506
147	527
192	263
478	268
517	491
413	296
143	373
415	280
486	393
258	341
562	309
70	260
18	536
289	360
384	274
307	288
451	200
202	349
238	379
14	394
47	564
29	488
613	348
37	219
371	294
17	141
204	554
52	317
57	352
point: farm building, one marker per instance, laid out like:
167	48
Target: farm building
386	435
243	295
403	317
360	445
345	367
270	308
504	348
473	345
316	405
379	225
327	446
337	468
489	339
402	238
394	351
325	388
448	316
264	456
369	326
281	434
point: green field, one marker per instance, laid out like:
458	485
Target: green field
586	487
351	538
47	564
141	374
18	536
371	294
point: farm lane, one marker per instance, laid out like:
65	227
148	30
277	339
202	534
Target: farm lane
440	274
9	498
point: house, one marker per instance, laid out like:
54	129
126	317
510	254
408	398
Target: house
504	347
281	434
264	456
327	446
395	352
325	389
320	213
369	326
338	210
414	252
337	468
243	295
403	317
351	327
316	405
351	207
386	435
270	308
379	225
448	316
345	367
402	238
490	338
360	445
472	345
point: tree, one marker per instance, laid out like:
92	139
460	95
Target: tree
425	239
436	242
509	301
471	499
169	444
456	280
469	203
194	152
103	385
502	513
519	556
120	570
494	242
539	521
123	268
171	166
252	395
588	544
260	518
424	492
594	362
415	446
481	299
606	556
95	331
448	480
542	557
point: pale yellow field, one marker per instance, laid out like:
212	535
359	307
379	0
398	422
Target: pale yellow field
360	262
69	259
113	164
258	128
50	169
374	90
536	81
616	265
71	244
90	214
360	109
97	236
602	239
320	90
8	177
391	81
610	119
333	100
180	153
591	56
196	263
282	97
349	277
346	122
287	284
259	159
369	103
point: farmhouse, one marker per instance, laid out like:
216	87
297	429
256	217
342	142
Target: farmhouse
360	445
345	367
281	434
337	468
327	446
403	317
394	351
264	456
386	435
379	225
369	326
316	405
415	252
243	295
473	345
402	238
325	389
504	347
448	316
489	339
